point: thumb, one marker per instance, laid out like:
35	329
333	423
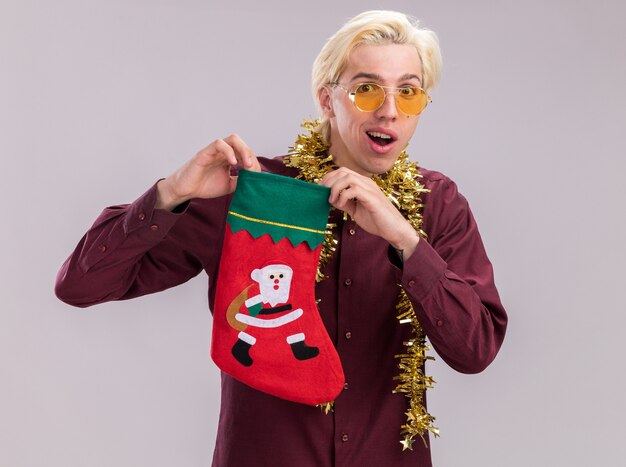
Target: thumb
256	167
232	184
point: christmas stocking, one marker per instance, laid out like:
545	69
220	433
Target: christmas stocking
267	331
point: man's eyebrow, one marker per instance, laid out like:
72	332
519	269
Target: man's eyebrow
377	77
409	76
372	76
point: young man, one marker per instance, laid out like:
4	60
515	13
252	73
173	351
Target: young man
399	238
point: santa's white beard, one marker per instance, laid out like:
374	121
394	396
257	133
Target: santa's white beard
274	297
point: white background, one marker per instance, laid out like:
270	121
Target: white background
98	99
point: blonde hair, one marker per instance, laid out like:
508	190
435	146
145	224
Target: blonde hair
377	27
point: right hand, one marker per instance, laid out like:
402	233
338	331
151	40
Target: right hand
207	174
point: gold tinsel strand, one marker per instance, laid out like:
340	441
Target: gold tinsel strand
327	407
309	155
412	382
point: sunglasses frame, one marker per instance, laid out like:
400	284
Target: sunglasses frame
352	96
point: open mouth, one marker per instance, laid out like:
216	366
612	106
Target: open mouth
381	139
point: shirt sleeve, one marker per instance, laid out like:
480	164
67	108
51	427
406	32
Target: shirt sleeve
449	279
135	249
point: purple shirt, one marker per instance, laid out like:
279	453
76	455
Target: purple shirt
132	250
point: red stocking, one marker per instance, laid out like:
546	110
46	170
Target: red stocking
267	331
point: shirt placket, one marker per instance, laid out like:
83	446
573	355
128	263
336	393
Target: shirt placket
347	343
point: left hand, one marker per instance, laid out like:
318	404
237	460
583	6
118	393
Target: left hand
368	206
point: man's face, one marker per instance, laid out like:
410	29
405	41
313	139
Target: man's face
354	141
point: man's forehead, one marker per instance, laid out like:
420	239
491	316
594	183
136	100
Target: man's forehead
383	63
379	78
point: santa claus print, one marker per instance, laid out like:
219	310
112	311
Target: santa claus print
253	314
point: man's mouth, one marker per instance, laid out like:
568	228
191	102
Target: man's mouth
379	138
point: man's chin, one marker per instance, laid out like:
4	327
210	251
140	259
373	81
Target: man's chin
381	165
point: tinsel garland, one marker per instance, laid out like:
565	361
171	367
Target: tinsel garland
309	155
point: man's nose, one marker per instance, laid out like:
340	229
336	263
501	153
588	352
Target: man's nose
389	109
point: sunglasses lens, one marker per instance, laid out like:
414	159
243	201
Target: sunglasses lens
412	101
369	97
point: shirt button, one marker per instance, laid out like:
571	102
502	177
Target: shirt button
352	231
141	216
439	323
345	437
346	386
102	248
348	282
154	227
411	283
348	334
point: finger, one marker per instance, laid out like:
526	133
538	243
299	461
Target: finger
244	154
223	150
337	181
345	199
331	177
338	188
341	184
348	206
342	173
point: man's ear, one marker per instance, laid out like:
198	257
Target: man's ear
325	100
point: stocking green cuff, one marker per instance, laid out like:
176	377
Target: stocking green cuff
266	203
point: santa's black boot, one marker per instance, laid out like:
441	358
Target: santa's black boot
241	351
303	352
